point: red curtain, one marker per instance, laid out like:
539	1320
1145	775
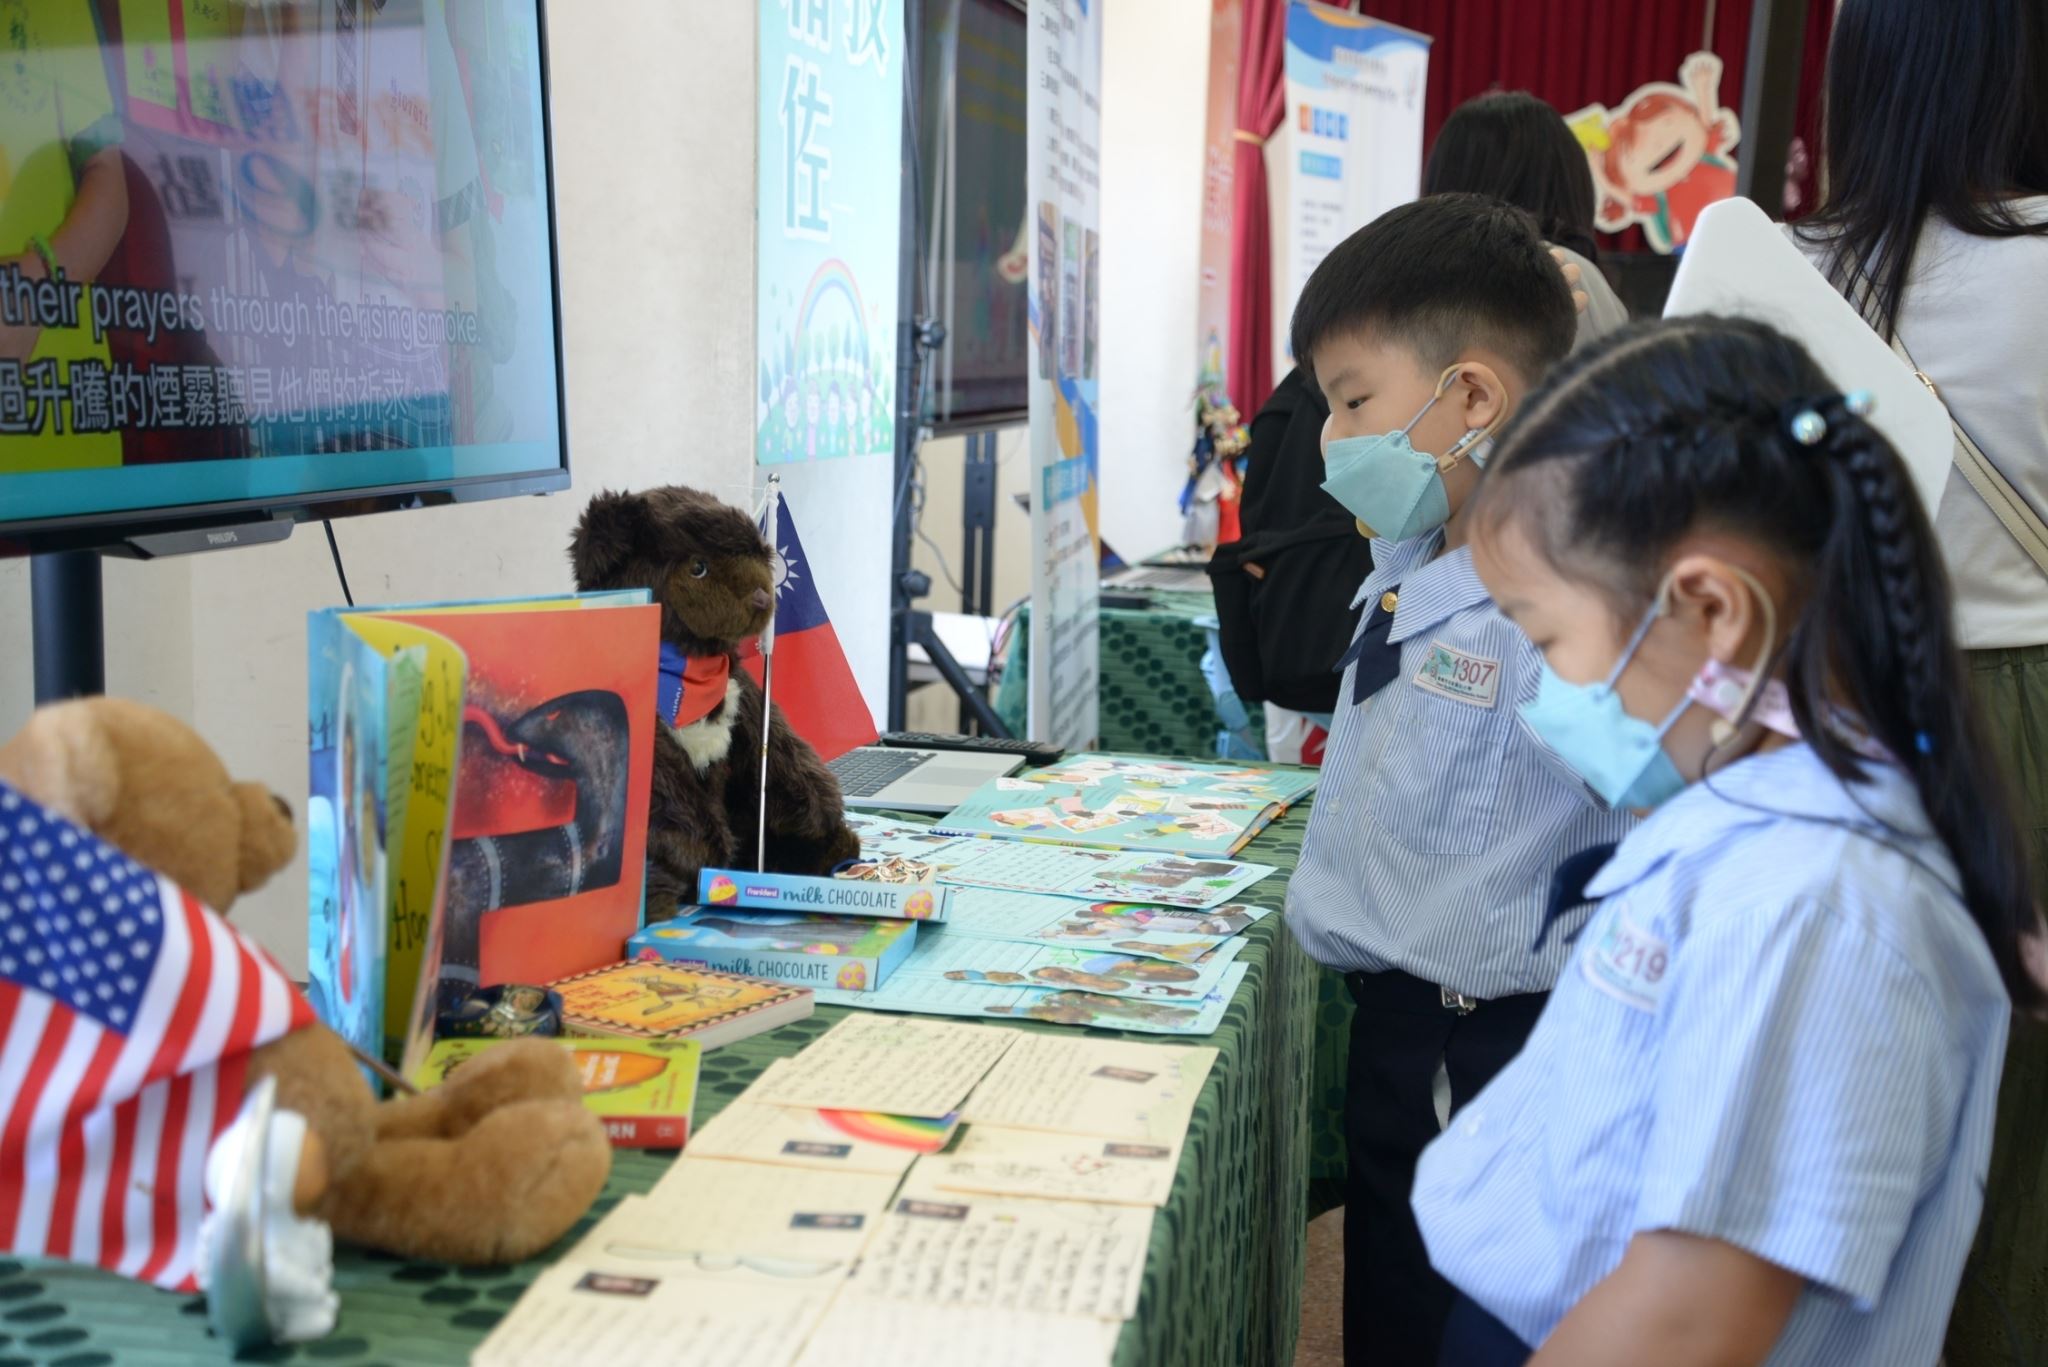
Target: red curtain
1572	53
1261	100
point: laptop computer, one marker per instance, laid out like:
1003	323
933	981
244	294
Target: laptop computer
917	780
1159	579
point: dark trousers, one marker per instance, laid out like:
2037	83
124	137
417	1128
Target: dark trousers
1395	1305
1473	1338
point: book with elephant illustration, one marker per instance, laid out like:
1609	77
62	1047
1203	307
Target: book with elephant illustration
479	790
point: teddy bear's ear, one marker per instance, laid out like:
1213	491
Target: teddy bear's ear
268	839
606	538
64	760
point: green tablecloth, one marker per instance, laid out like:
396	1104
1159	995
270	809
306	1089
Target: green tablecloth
1222	1279
1152	699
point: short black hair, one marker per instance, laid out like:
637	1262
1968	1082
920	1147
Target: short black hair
1440	275
1513	146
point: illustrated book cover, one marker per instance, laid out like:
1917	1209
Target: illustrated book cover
651	1000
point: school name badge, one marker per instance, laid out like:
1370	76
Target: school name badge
1628	963
1452	673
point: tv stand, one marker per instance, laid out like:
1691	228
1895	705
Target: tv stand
68	625
68	605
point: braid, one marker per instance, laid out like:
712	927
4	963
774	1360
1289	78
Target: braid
1662	429
1888	507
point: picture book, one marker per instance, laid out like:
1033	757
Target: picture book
958	957
670	1001
1184	936
479	779
1125	802
870	888
847	952
380	756
643	1090
943	996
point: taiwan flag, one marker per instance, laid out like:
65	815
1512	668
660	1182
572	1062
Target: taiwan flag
814	686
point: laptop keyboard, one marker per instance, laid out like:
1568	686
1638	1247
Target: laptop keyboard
863	773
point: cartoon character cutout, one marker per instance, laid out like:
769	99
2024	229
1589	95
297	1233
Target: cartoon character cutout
1664	155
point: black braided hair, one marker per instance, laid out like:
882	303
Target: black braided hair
1666	427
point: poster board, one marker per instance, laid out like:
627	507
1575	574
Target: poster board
1742	263
1064	65
1353	129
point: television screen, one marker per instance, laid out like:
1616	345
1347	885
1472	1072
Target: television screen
271	257
975	246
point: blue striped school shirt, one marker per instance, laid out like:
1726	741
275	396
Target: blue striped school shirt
1439	815
1780	1030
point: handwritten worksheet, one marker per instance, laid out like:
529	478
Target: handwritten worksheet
976	1252
1067	1167
1109	1088
865	1332
891	1064
717	1212
629	1292
797	1137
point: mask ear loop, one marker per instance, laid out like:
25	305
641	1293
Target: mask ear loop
1473	435
1723	730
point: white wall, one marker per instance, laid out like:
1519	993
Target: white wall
1154	108
655	204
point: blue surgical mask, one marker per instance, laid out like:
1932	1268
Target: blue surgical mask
1622	757
1387	484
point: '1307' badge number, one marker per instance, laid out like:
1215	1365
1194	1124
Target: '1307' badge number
1451	673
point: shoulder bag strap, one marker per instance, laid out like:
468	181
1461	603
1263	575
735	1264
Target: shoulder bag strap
2013	511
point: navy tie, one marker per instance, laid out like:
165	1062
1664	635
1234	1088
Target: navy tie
1568	888
1377	658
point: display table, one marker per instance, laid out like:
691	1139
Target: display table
1222	1280
1152	698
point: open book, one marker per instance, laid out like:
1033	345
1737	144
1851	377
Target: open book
479	778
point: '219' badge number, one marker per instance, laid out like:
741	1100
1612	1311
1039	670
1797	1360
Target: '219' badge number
1628	963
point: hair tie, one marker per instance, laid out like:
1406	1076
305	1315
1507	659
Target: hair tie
1806	425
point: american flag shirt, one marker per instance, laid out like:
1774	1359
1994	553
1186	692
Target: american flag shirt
127	1015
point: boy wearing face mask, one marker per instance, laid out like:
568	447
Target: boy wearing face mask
1440	818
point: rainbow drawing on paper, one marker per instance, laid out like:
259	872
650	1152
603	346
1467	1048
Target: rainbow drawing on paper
897	1131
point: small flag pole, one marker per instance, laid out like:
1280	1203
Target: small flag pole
774	508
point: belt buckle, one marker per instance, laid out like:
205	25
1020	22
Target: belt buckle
1458	1001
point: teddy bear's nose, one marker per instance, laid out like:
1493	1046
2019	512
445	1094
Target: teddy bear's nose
760	599
284	809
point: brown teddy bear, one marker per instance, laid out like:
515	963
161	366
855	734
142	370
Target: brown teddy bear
712	572
490	1167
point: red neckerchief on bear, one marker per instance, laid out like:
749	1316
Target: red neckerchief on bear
690	686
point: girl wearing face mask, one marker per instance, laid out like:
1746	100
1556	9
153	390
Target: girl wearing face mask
1753	1122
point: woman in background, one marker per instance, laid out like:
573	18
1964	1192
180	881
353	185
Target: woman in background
1936	225
1514	147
